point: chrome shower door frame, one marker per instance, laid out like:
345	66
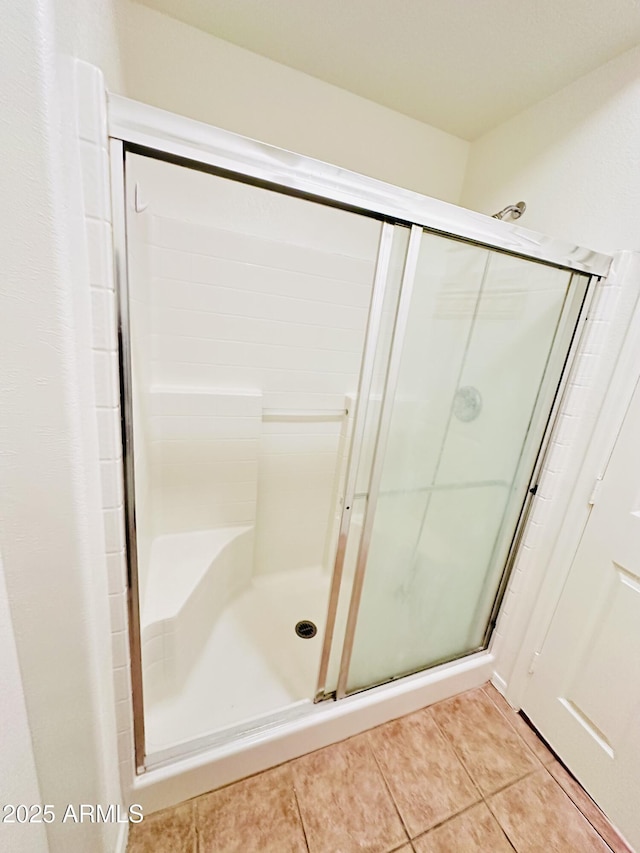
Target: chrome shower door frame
355	450
383	427
566	344
121	273
136	127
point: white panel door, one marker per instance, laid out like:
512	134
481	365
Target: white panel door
584	695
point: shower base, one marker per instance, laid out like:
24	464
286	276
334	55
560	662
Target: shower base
251	664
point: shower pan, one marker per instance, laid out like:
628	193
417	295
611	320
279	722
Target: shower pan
336	397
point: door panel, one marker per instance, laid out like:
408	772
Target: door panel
584	695
479	362
248	311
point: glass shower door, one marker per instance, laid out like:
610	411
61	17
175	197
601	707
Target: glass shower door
480	343
247	312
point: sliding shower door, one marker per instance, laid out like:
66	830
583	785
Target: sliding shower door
247	313
480	342
332	422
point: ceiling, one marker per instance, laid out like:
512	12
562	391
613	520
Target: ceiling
464	66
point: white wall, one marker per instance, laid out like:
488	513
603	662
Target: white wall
573	158
50	525
18	777
174	66
280	288
50	498
89	30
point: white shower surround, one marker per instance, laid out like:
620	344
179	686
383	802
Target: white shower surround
163	786
215	568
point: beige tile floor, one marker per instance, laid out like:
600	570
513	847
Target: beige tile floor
466	774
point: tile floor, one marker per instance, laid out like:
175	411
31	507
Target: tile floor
466	774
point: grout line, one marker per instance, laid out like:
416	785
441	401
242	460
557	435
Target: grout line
295	797
447	819
513	782
386	784
458	814
214	338
506	717
484	798
546	767
218	364
487	693
309	250
189	279
454	750
194	820
326	326
502	829
570	797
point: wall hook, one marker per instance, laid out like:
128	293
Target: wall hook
138	204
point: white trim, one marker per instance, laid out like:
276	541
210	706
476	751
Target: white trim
581	444
499	683
91	126
123	838
156	129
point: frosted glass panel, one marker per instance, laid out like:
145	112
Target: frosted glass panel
477	377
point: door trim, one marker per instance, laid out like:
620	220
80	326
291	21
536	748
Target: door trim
590	417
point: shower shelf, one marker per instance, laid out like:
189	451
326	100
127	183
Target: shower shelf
212	403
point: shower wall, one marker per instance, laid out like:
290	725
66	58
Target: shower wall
248	311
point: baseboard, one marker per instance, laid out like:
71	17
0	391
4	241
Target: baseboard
123	837
499	683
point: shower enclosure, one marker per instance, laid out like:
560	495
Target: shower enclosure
335	396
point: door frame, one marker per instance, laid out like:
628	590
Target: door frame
141	126
148	130
549	401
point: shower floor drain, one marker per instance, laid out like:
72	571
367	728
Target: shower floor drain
306	629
